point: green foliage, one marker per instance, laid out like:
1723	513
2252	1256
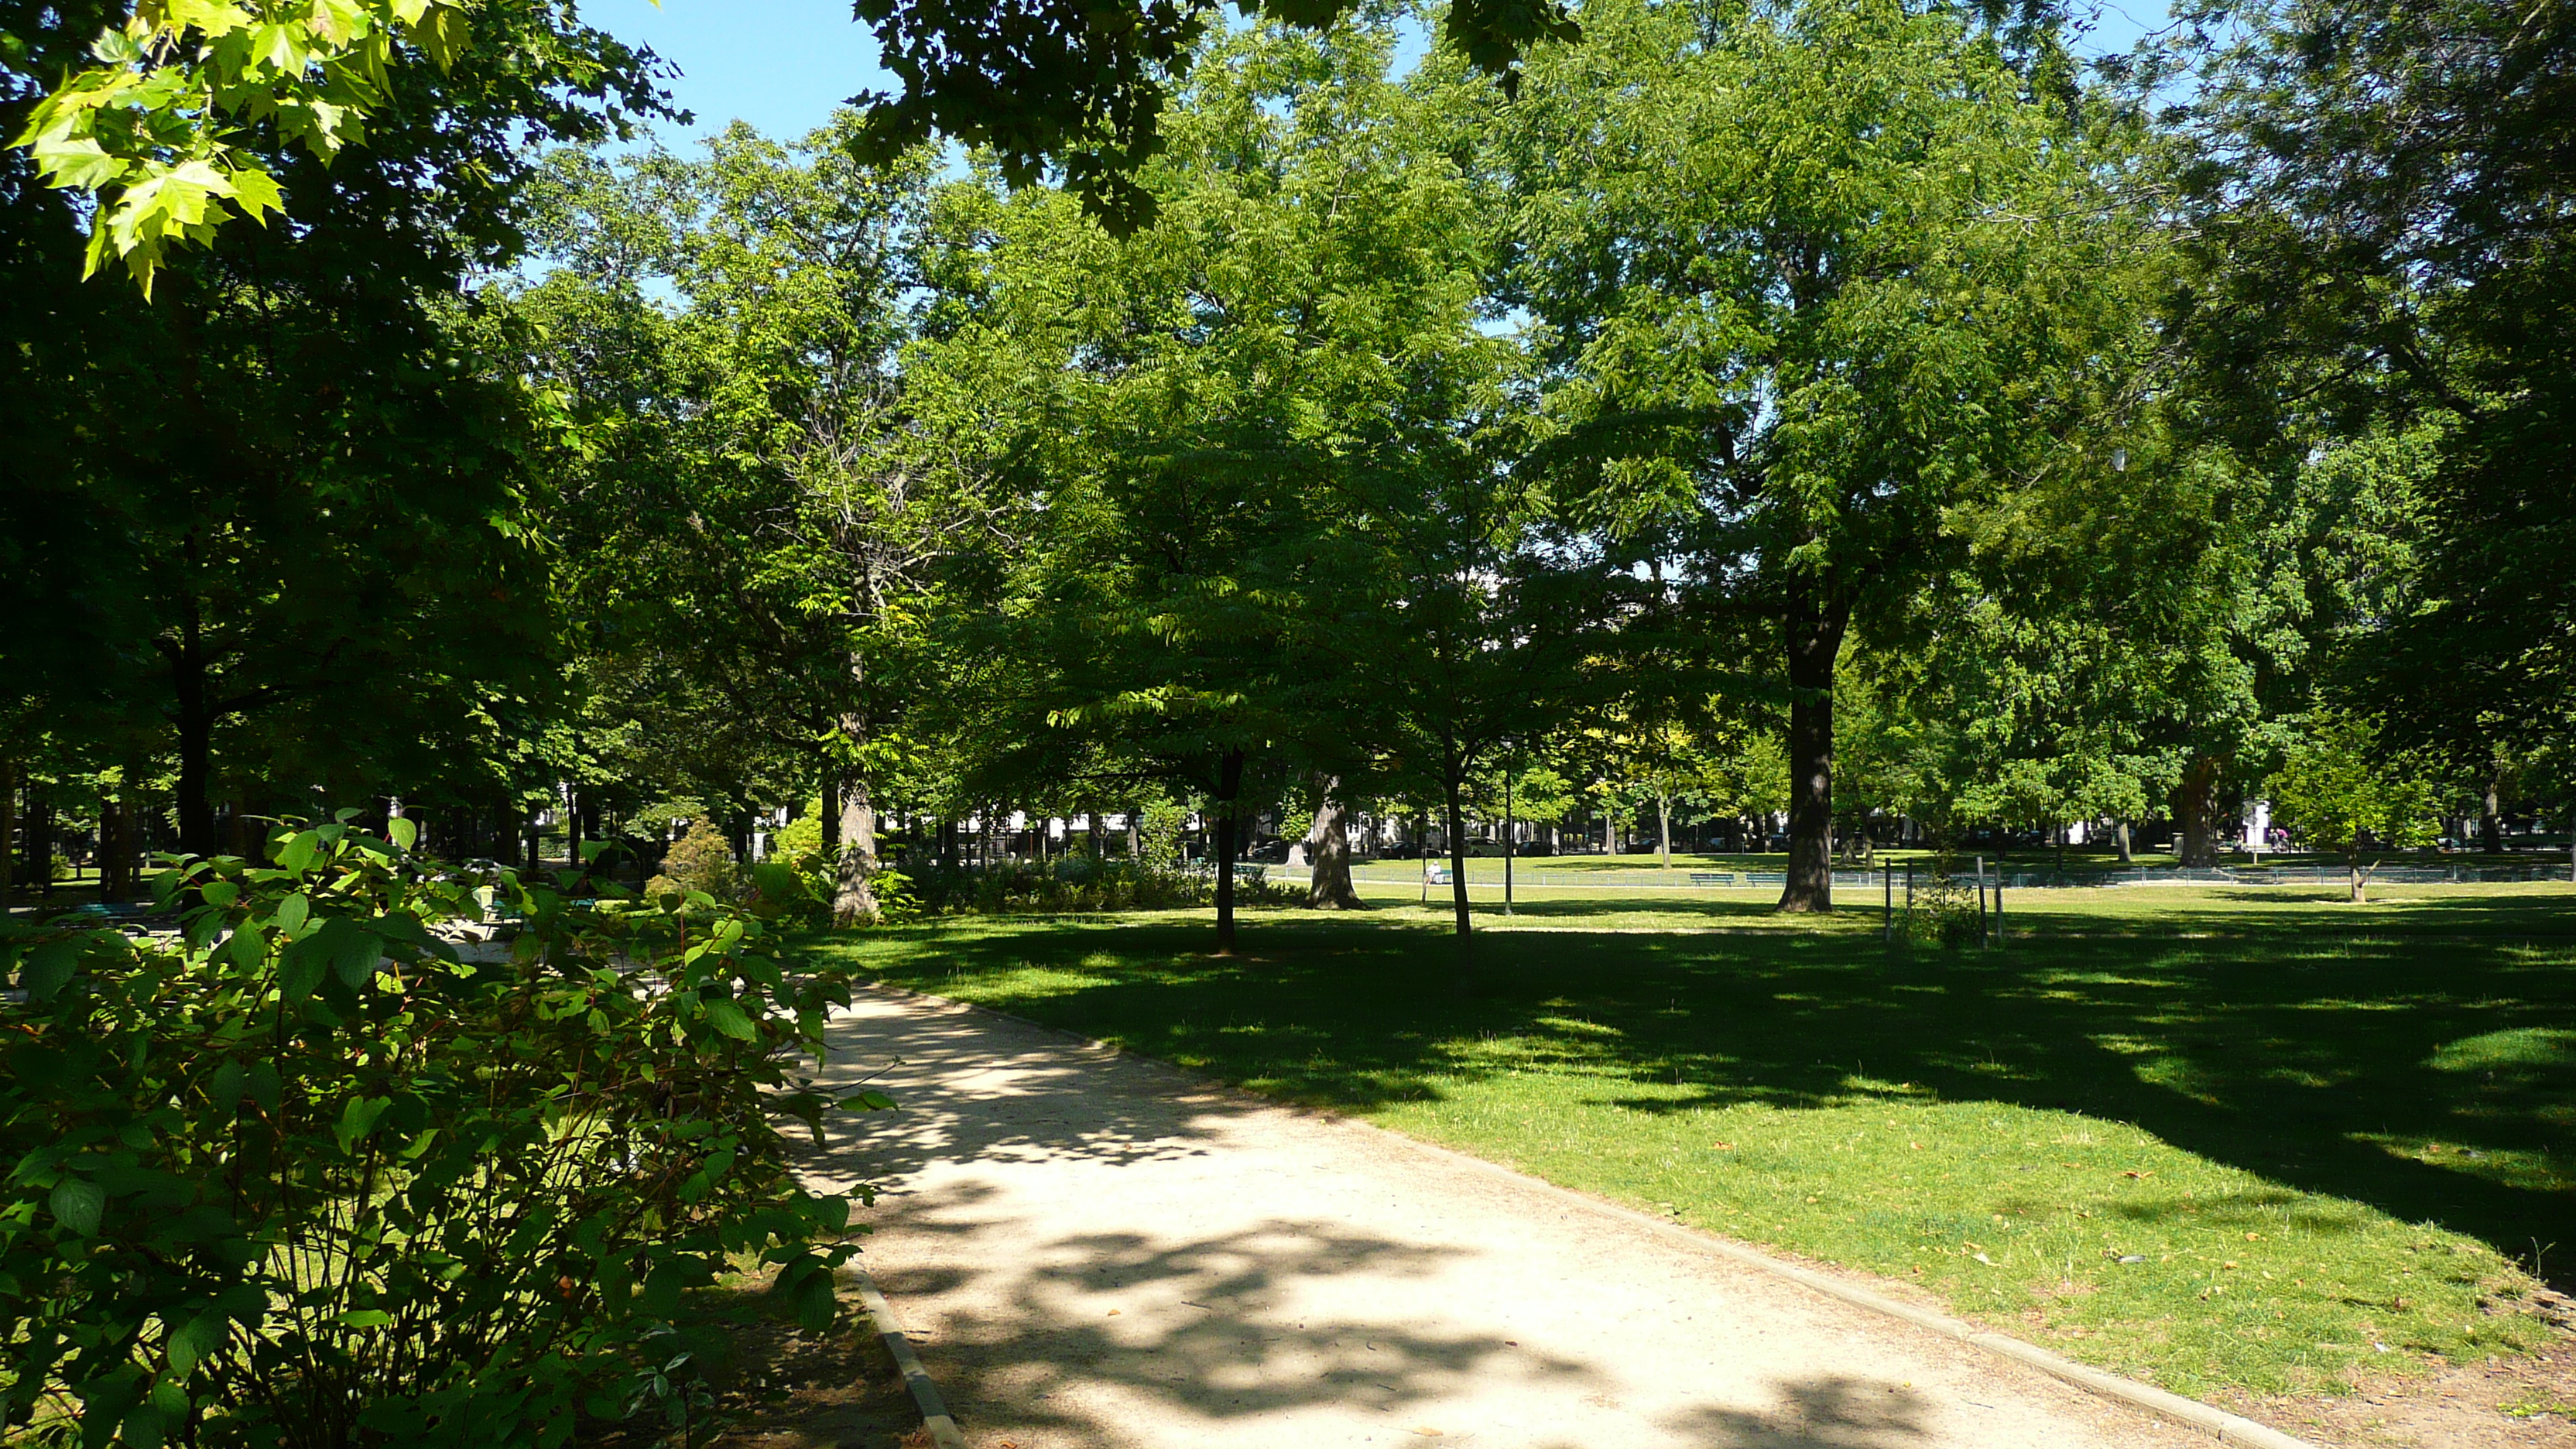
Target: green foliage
701	861
1158	834
319	1171
1943	908
2340	790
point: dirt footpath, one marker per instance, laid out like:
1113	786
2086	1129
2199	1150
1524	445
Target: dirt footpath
1092	1250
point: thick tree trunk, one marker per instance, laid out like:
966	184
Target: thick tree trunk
1450	785
2120	833
1814	635
1229	789
2194	811
1328	856
1664	826
854	900
2490	819
195	739
831	794
111	850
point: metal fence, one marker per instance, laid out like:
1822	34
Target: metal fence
1533	877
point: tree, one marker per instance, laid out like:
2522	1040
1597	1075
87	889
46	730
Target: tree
297	474
2341	791
1811	281
2375	195
1207	422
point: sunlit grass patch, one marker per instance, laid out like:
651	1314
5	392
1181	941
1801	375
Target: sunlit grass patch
2286	1144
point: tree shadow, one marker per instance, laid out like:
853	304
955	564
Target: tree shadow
1830	1411
2316	1046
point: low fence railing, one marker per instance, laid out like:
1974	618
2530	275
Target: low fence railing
1545	878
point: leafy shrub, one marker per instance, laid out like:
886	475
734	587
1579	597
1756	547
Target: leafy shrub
701	860
1944	910
309	1174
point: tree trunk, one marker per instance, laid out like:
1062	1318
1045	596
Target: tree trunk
2193	809
1229	787
831	793
8	831
1092	831
1135	833
39	831
1328	857
1452	779
1664	826
2120	833
194	724
2354	862
854	901
1814	635
236	832
111	850
2490	819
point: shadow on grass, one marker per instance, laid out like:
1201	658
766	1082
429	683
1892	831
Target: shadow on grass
2393	1057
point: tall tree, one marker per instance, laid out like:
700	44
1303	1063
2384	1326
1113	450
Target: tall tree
2378	199
312	477
1812	280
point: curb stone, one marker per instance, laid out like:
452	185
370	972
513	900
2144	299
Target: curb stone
935	1417
2218	1423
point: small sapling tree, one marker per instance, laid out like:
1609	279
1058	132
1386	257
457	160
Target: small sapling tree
2340	792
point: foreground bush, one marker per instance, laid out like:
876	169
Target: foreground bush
307	1175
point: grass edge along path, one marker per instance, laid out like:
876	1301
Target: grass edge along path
2096	1238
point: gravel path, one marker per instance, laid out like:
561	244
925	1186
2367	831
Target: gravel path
1093	1250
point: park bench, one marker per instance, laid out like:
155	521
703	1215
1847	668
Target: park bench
1712	877
1766	877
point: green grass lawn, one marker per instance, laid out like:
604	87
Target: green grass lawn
2210	1137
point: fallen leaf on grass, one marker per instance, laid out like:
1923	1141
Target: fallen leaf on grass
2137	1174
1721	1147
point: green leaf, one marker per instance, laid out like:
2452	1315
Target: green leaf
297	853
402	831
358	1120
815	1303
225	1089
867	1101
78	1205
196	1339
292	912
299	971
266	1087
729	1019
366	1318
49	968
351	949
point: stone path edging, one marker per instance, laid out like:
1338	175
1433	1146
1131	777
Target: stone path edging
935	1418
2221	1425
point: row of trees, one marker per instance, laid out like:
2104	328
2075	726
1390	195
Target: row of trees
1852	399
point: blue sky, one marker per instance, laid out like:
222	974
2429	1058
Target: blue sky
780	64
784	64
